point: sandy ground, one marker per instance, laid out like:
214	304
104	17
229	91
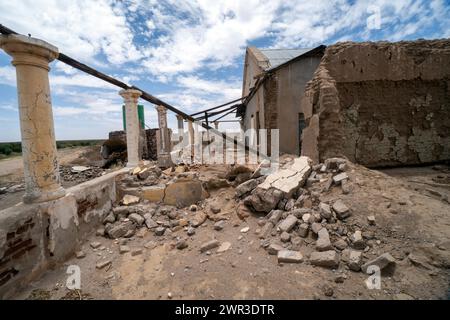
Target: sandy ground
411	218
11	172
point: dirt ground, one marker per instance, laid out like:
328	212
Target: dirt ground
412	224
11	170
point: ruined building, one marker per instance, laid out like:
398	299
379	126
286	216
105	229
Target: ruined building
378	104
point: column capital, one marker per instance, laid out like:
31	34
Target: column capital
161	109
179	117
28	51
130	95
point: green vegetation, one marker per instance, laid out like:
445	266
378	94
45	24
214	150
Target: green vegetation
8	149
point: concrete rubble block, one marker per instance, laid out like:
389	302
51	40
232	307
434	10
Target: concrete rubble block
121	229
303	230
246	187
337	179
357	240
235	170
122	210
136	252
183	192
288	180
124	249
209	245
325	211
262	200
137	218
274	216
333	163
80	254
285	237
103	264
371	220
384	261
289	256
109	218
225	246
150	223
340	244
316	227
159	231
154	193
288	224
265	230
274	248
323	243
198	219
95	244
342	211
129	199
355	260
327	259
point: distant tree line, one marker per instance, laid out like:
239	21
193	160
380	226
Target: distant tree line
9	148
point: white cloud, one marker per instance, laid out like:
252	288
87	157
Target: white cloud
8	75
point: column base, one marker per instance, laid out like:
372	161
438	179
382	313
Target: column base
164	160
43	196
132	165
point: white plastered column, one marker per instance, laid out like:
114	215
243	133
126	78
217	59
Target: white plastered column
131	97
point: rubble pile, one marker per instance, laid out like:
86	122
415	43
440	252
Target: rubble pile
79	174
297	224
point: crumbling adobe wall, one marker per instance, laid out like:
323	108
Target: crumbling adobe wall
34	237
380	104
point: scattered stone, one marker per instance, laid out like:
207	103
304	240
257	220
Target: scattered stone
219	225
340	244
209	245
303	230
78	169
181	244
150	223
403	296
100	232
265	230
150	245
129	199
224	247
289	256
325	211
355	260
285	237
288	223
190	231
214	208
80	254
337	179
136	218
371	220
316	227
327	290
262	200
323	243
124	249
342	211
121	229
102	264
246	187
136	252
340	278
383	261
242	211
327	259
306	217
193	207
111	218
95	245
357	240
274	216
199	219
245	229
160	231
273	248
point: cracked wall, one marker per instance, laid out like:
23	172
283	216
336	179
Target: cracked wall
380	104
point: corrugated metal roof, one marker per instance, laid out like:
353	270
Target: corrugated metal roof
277	57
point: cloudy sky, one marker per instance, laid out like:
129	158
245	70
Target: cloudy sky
187	52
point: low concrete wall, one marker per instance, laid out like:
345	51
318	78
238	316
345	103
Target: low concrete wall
35	237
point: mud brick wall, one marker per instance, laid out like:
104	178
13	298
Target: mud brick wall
380	104
35	237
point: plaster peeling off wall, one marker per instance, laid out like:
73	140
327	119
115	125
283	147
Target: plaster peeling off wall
382	104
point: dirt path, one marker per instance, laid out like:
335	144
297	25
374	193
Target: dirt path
413	225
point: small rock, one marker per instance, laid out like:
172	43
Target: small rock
285	237
124	249
315	227
342	211
327	259
273	248
150	245
181	244
325	211
129	199
357	240
136	252
219	225
109	218
209	245
355	260
340	244
80	254
371	220
136	218
289	256
288	223
337	179
245	229
100	232
102	264
214	208
224	247
327	290
95	245
303	230
306	217
193	207
383	261
190	231
323	243
160	231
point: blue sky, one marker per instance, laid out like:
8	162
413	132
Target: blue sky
188	53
